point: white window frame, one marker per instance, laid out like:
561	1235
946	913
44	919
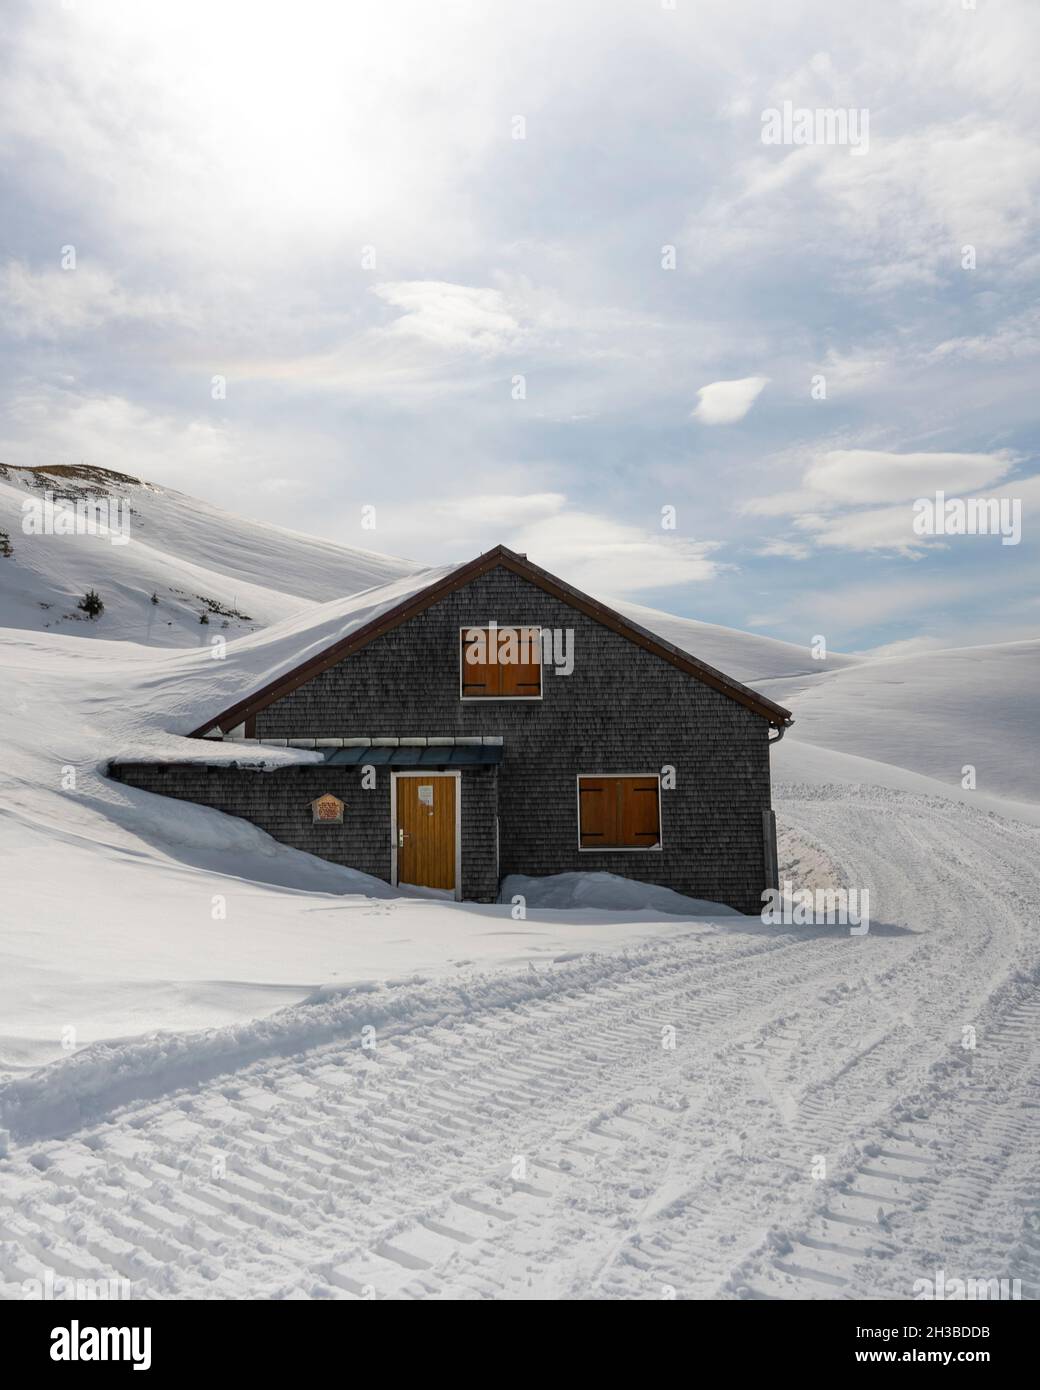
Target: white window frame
425	775
620	849
491	699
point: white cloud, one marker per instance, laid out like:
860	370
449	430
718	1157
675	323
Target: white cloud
884	528
1017	337
725	402
274	138
779	503
928	193
500	509
584	354
832	508
891	528
53	426
218	460
785	550
952	159
856	370
453	316
593	551
876	475
55	303
608	557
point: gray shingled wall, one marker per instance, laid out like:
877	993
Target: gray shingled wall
623	710
280	803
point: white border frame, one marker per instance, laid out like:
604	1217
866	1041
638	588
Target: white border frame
425	775
501	699
620	849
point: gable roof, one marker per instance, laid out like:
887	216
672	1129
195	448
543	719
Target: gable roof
458	578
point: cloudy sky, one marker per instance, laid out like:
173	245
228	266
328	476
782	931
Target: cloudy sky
527	272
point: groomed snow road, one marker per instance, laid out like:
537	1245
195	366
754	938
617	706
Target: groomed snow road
546	1144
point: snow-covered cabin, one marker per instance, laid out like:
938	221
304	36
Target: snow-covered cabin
498	721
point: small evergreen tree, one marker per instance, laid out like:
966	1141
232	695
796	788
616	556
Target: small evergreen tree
91	604
155	598
204	616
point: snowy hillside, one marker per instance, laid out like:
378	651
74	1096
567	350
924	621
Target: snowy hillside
193	557
932	713
936	713
756	660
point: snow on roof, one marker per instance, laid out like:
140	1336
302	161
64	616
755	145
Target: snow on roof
167	695
253	661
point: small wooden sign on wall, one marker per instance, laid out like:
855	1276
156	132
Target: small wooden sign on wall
327	810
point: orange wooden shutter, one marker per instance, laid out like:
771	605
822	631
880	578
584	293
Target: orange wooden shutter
619	813
524	677
598	808
640	823
478	677
505	676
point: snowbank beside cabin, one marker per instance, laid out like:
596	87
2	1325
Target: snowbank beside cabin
605	893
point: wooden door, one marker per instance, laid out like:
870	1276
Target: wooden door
426	821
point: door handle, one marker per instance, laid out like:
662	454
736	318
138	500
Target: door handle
400	839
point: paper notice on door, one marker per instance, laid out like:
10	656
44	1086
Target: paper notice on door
426	796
